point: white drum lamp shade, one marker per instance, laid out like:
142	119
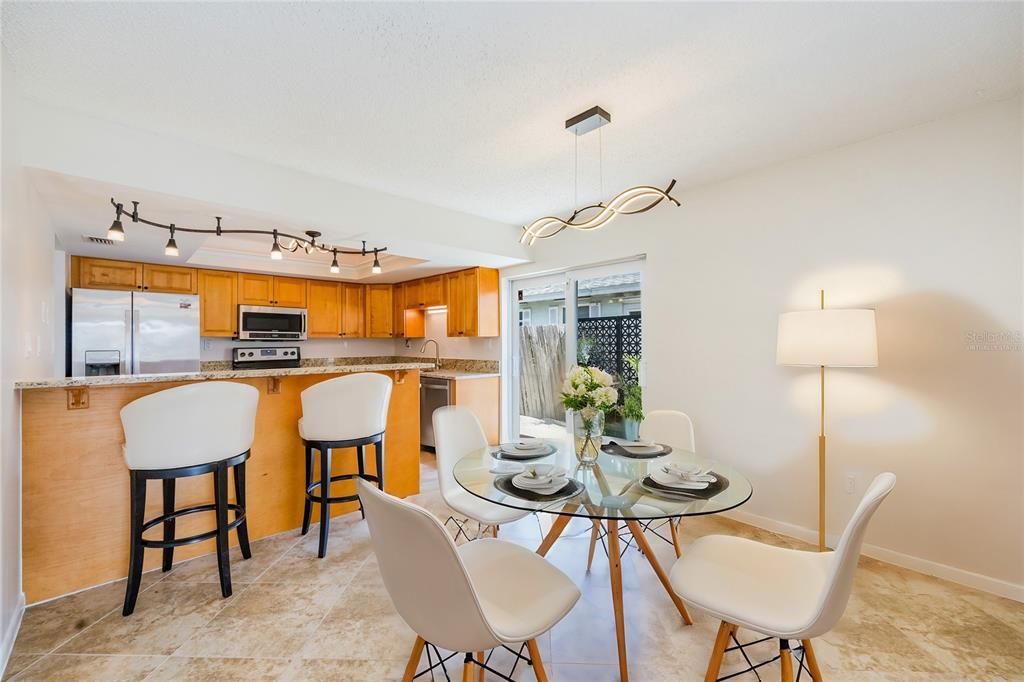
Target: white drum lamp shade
827	338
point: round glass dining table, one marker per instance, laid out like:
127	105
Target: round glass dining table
609	493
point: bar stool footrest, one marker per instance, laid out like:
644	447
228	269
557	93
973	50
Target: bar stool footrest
191	539
340	477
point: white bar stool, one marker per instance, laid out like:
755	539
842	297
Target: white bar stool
347	412
188	431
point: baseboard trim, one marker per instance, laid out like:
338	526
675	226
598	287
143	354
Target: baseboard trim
11	634
1001	588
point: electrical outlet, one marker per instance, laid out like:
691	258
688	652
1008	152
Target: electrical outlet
851	483
207	344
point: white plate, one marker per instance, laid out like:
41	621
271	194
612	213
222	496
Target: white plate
549	489
668	480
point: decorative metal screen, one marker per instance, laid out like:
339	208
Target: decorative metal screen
606	341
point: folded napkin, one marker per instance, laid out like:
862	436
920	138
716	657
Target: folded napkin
540	476
682	476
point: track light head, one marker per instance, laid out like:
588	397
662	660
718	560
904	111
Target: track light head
172	246
335	268
376	269
116	231
275	250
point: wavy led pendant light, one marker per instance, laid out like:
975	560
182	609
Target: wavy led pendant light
281	241
628	202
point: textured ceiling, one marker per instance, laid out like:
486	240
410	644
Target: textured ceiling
462	105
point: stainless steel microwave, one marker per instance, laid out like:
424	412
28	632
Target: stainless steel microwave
268	323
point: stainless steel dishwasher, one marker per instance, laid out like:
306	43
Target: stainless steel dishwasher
434	393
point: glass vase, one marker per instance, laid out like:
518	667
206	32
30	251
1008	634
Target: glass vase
588	426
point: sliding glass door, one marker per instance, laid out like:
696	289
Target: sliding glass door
589	316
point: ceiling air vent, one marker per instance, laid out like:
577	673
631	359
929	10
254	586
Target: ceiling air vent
102	241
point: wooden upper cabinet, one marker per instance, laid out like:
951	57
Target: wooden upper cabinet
398	310
473	308
454	285
170	279
323	304
289	292
255	289
415	294
99	273
380	314
434	291
218	303
353	310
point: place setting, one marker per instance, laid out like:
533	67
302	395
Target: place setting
635	449
524	450
676	480
539	483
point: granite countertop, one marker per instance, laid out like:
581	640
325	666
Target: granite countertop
456	374
123	380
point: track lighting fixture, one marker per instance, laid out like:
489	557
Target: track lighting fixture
282	240
172	246
275	250
116	231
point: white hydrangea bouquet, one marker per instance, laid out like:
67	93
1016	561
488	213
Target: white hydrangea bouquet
588	393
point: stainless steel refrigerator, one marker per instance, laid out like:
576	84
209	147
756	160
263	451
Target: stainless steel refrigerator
130	332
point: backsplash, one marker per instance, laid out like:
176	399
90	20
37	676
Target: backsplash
482	366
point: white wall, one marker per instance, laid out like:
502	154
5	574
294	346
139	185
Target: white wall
436	327
28	347
923	224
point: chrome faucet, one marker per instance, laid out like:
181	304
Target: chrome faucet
437	352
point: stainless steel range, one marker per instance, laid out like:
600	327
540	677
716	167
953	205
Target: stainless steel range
248	357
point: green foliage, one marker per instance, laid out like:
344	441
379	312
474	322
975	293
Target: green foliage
632	395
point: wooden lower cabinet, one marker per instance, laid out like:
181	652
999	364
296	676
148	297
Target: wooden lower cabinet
75	455
323	307
218	303
380	315
483	398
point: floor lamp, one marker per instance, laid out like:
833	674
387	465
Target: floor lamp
826	338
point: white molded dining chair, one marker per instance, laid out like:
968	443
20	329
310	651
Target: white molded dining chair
457	433
781	593
469	598
672	428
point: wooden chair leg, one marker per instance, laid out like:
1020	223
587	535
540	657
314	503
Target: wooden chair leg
138	514
725	631
595	534
467	669
243	528
220	499
812	661
307	507
786	660
673	526
414	660
325	506
480	672
535	660
168	553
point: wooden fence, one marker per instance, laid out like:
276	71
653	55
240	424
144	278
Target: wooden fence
542	371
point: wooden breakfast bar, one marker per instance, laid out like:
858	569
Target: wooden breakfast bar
75	485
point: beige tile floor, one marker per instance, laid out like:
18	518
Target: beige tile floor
295	617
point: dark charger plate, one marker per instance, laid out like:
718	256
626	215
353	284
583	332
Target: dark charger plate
613	448
504	484
713	489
